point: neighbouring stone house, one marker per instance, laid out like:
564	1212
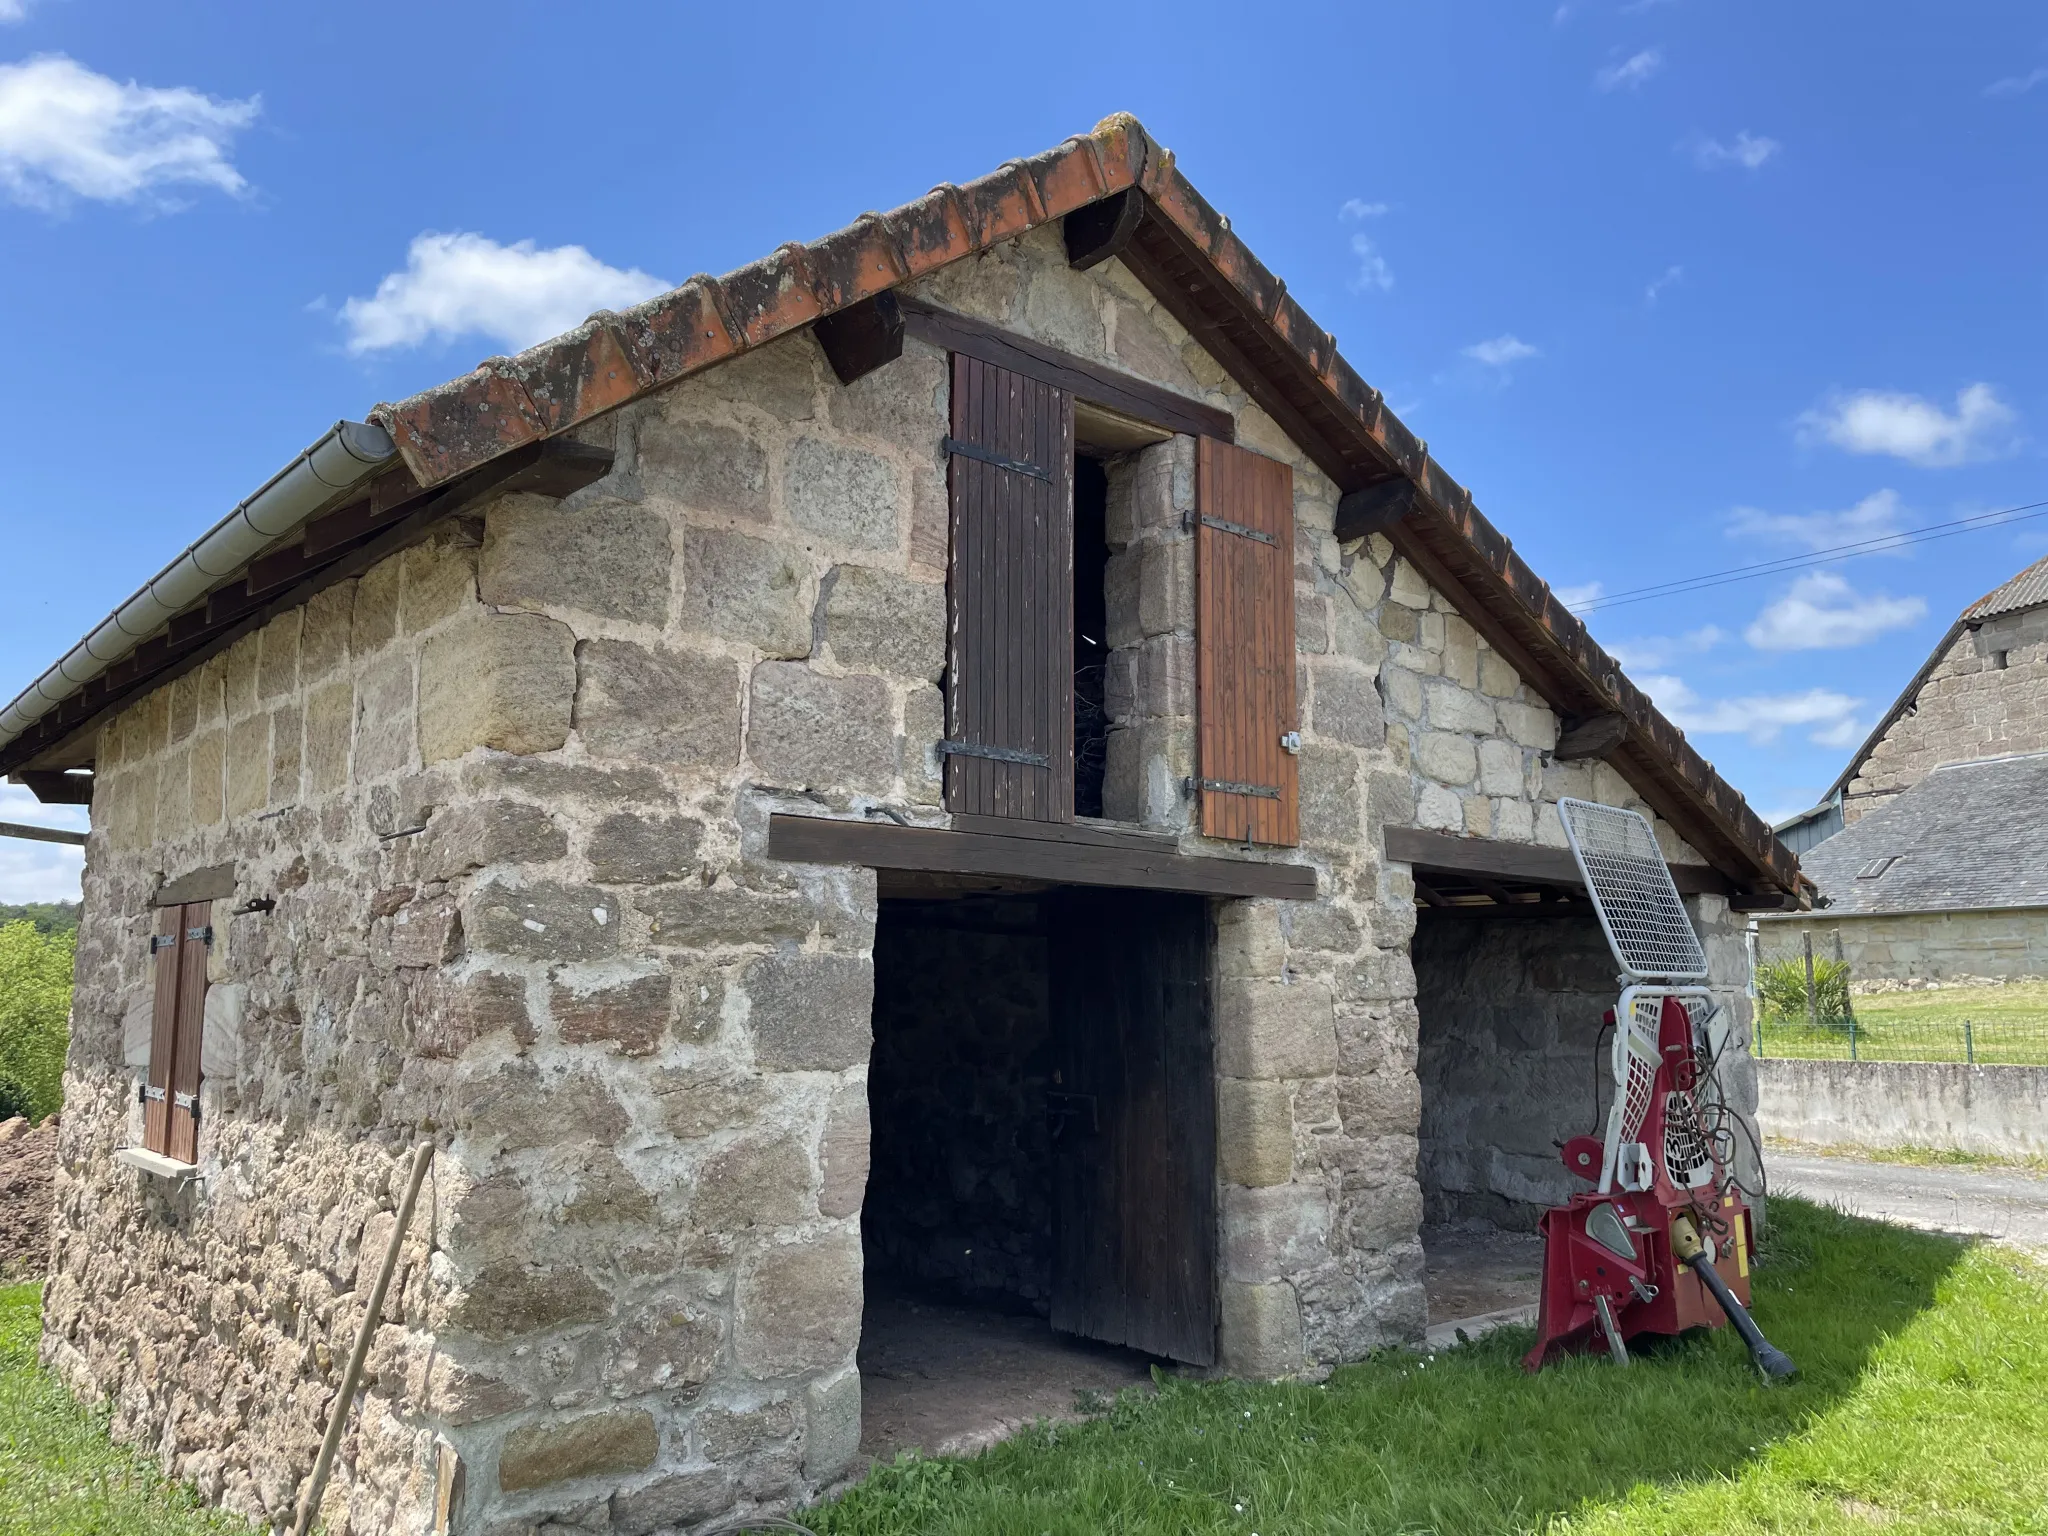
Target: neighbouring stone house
973	754
1944	884
1926	876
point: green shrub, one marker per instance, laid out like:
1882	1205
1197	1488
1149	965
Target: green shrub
35	1014
1781	989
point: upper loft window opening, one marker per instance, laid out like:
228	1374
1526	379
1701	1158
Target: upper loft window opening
1091	632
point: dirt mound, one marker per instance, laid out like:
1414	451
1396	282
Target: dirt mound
27	1159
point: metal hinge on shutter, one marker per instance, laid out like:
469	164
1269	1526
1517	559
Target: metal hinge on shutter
1225	525
990	456
188	1102
1232	787
994	754
159	941
199	935
151	1094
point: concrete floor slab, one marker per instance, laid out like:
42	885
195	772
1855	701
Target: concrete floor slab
950	1381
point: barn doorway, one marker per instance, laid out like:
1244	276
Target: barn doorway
1510	996
1038	1220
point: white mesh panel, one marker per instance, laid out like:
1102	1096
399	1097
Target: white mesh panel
1631	888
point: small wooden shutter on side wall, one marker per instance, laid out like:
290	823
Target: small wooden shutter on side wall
195	939
163	1034
1009	674
1245	649
170	1120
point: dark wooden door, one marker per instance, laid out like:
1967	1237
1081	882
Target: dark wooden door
1010	661
1134	1116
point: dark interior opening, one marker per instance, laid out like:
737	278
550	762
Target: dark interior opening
958	1219
1091	639
1511	1058
959	1198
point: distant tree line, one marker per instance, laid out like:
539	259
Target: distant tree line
35	1006
48	916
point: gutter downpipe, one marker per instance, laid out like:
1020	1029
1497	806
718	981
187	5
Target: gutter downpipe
347	454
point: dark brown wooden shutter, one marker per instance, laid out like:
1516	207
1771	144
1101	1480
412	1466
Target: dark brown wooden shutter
1009	676
1244	632
171	1098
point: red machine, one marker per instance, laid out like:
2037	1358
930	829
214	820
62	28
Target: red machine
1662	1242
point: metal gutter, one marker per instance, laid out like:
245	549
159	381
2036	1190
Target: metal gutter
346	455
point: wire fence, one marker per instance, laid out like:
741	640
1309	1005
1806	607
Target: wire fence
1875	1037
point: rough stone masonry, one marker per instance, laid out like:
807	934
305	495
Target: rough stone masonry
509	792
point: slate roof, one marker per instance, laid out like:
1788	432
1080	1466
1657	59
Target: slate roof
1968	837
1187	255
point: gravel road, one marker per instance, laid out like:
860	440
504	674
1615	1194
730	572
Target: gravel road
2005	1204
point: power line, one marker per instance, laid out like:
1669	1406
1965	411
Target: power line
1872	546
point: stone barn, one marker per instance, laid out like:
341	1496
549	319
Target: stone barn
969	773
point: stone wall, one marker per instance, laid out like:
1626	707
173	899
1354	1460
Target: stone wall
1992	1111
1912	949
1987	696
959	1196
510	793
1511	1059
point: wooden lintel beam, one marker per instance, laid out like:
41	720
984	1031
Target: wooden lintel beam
1102	229
1470	859
57	788
885	845
1591	736
862	337
1374	509
1132	396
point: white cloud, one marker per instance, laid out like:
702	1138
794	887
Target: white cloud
1501	351
66	132
13	10
39	871
468	285
1823	612
1912	428
1748	150
2016	85
1658	285
1631	72
1580	595
1373	271
1763	718
1662	650
1875	516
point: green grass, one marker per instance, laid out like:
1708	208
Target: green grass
2016	1003
1920	1405
1913	1157
2009	1025
59	1473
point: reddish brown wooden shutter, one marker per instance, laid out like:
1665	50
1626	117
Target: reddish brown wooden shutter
170	1122
1244	631
1009	675
163	1033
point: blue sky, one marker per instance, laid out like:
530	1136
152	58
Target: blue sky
1673	286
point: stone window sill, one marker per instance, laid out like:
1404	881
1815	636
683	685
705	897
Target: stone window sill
155	1162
